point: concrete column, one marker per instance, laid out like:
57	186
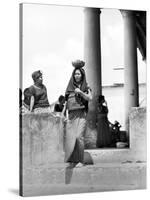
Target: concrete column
131	96
92	57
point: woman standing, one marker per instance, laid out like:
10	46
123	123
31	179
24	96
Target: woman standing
37	95
77	96
104	133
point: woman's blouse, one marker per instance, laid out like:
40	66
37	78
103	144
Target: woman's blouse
76	101
40	96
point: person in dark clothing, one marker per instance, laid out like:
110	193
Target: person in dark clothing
115	129
20	97
60	105
104	133
27	96
20	101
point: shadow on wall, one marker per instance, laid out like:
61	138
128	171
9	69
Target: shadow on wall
88	159
69	169
68	174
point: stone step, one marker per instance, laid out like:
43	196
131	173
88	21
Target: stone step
61	179
113	155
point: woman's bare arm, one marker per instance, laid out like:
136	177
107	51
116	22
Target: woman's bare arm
64	109
86	96
31	103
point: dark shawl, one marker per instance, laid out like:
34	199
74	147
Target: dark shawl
72	86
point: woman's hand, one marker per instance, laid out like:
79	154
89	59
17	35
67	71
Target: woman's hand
86	96
78	91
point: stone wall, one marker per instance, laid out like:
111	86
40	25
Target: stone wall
42	139
138	132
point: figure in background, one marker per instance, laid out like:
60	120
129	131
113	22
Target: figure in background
115	129
26	101
104	133
59	107
20	100
35	97
119	138
77	96
20	97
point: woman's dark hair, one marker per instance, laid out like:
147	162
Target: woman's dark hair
61	98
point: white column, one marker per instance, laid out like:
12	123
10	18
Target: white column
131	96
92	57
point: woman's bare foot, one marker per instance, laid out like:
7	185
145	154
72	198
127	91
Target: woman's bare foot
70	164
80	164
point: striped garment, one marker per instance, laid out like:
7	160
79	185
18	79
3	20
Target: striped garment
74	136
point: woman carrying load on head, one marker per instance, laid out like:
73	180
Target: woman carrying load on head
77	96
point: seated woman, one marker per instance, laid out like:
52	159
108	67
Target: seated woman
60	106
104	134
115	129
36	95
26	102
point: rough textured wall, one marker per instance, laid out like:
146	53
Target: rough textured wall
138	133
42	139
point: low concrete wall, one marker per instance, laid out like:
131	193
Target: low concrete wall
42	139
138	132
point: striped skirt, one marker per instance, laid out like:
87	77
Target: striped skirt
74	136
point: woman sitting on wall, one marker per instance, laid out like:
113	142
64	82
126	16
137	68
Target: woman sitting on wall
35	97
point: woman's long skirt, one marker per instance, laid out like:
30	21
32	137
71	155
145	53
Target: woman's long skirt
74	136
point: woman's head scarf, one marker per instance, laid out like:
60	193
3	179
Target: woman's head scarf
72	85
36	75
